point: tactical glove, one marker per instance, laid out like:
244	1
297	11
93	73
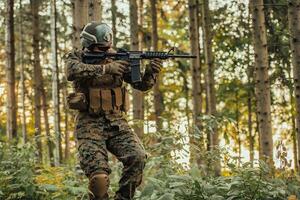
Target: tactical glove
116	68
156	65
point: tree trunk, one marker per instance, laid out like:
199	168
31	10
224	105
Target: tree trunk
210	68
250	93
158	96
94	10
39	91
208	134
294	131
250	121
147	43
294	26
238	131
262	82
141	23
138	97
114	22
251	137
185	89
55	86
249	106
293	118
66	110
22	79
80	18
46	119
37	76
196	81
66	122
11	106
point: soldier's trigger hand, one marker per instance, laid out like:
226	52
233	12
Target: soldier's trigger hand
125	65
117	67
156	65
123	62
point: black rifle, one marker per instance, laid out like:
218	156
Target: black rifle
133	57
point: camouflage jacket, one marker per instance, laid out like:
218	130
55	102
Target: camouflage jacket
84	75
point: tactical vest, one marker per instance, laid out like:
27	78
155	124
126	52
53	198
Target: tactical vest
107	93
100	95
105	100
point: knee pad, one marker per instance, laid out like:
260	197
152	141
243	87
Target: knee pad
98	186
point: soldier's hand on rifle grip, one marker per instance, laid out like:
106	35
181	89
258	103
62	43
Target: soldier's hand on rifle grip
156	65
116	68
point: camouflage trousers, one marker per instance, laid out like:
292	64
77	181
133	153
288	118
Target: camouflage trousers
98	135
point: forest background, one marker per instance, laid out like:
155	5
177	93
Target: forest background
222	126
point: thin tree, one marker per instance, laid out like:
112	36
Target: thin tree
250	110
293	118
11	105
65	106
80	18
114	22
37	78
262	81
141	43
66	122
40	97
95	10
210	69
158	96
141	23
138	97
22	78
46	118
250	94
55	86
196	80
294	26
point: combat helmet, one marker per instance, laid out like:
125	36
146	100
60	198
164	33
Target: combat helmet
95	33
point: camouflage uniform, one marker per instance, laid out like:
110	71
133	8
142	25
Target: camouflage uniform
107	131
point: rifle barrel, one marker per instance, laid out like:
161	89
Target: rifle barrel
182	56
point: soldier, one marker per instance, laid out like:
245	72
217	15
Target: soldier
101	100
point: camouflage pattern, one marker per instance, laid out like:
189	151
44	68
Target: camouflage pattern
96	136
108	131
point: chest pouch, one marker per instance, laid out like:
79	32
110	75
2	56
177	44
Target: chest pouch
103	100
77	101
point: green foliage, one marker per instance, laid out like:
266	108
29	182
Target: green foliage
245	183
22	178
61	183
17	172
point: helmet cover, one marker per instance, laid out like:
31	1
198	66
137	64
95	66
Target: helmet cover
95	33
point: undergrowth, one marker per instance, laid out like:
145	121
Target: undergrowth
22	178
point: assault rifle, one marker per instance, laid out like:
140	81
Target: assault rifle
133	57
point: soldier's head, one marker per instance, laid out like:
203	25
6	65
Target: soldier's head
96	36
